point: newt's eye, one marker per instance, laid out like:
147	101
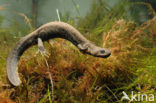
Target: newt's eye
102	51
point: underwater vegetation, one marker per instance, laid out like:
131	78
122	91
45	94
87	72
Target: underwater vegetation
68	76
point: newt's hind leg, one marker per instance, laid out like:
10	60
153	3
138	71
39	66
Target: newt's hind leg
43	52
41	47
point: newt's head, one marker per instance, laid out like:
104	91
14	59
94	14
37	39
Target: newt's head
94	50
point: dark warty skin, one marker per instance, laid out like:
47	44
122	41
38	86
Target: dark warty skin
49	31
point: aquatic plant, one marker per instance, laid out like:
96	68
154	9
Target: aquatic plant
80	78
